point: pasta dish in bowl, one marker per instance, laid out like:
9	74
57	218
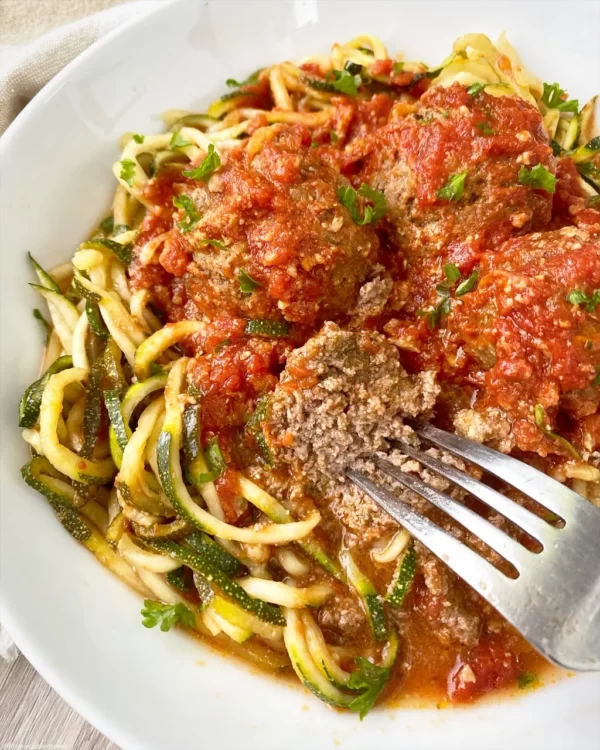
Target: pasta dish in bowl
337	246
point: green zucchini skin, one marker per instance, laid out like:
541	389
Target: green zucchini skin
372	601
92	415
268	328
44	277
202	564
403	578
95	320
29	408
203	544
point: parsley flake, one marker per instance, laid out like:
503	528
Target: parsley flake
398	67
247	283
579	297
485	128
555	98
127	171
454	188
214	243
475	89
166	615
538	177
178	141
526	680
210	164
139	138
344	81
347	196
191	217
369	678
333	136
451	272
468	285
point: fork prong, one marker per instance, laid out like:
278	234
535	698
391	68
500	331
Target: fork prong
494	537
477	572
525	519
543	489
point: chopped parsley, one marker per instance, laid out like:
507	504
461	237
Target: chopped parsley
139	138
166	615
333	136
434	315
556	148
555	98
221	345
247	283
178	141
526	680
468	285
454	188
347	197
537	177
192	217
579	297
451	272
344	81
541	421
485	128
210	164
475	89
214	243
369	678
127	171
398	67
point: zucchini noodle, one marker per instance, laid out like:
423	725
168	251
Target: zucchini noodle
123	447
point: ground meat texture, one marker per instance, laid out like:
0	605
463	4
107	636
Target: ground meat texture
490	426
343	619
341	395
449	132
274	206
525	342
442	600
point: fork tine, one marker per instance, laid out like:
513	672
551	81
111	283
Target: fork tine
477	572
494	537
528	521
543	489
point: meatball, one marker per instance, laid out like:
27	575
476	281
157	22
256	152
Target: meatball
527	339
448	133
274	213
341	395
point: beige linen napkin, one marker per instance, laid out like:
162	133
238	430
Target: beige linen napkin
24	70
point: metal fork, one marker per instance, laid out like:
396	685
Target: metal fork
555	601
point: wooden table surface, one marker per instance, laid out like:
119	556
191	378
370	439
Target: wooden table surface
34	717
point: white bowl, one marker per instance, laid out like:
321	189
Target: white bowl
79	626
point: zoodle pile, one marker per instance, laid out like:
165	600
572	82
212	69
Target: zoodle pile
115	425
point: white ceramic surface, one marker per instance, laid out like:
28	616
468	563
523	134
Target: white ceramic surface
77	624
